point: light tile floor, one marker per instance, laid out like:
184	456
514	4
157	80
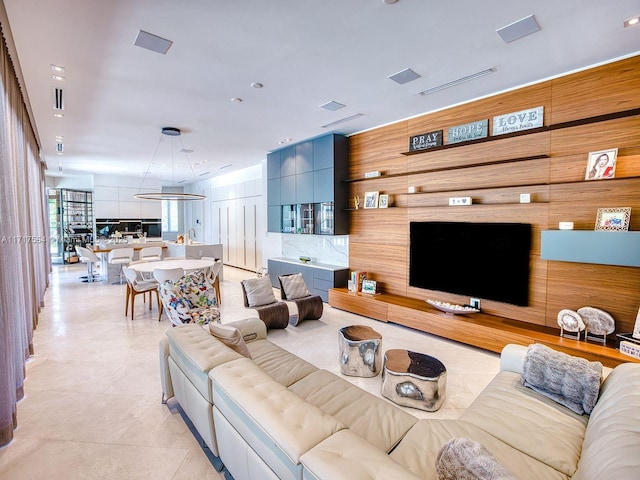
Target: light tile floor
92	408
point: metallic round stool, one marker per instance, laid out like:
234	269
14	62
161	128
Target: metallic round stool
360	351
414	379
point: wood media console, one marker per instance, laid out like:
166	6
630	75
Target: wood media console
481	330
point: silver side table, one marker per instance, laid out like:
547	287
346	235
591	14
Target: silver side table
360	351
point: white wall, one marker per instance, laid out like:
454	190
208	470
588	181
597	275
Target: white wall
233	214
113	197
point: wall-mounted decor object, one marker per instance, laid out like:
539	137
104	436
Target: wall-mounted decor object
516	121
383	201
425	141
356	202
601	164
371	200
460	201
373	174
468	131
613	219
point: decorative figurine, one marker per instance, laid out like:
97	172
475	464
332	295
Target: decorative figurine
356	201
572	322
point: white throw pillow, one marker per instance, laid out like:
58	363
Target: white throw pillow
294	286
230	336
259	291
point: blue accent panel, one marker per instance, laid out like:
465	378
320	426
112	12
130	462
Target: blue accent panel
600	247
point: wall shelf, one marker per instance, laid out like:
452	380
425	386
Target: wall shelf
558	126
585	246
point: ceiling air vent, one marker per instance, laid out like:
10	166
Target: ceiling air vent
59	147
58	99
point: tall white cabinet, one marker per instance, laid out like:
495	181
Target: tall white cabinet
236	224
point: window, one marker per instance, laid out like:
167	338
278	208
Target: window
169	216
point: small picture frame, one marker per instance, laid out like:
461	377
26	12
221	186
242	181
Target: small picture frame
601	164
369	286
383	201
370	199
613	219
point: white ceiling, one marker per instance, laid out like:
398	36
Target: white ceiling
305	52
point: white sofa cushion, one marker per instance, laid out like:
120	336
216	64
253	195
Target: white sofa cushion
196	352
529	422
379	422
284	367
266	414
419	449
611	446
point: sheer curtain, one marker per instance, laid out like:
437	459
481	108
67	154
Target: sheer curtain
24	247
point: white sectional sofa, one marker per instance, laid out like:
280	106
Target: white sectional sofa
277	416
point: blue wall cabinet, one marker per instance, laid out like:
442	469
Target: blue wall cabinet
313	171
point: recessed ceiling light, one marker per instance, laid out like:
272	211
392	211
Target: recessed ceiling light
631	22
332	106
58	115
152	42
286	140
404	76
236	100
59	138
257	85
518	29
58	78
57	68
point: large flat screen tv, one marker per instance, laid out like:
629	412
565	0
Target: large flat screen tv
485	260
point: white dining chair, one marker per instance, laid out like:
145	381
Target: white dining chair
136	286
150	254
213	275
120	256
162	275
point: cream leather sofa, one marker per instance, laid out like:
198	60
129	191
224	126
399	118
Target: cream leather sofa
276	416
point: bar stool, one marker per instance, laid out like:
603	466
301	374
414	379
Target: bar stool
150	254
91	259
120	256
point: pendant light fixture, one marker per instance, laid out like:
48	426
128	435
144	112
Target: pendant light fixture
170	132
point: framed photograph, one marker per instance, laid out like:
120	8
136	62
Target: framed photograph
613	219
369	286
383	201
370	199
601	164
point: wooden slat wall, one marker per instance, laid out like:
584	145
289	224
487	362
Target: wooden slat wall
379	239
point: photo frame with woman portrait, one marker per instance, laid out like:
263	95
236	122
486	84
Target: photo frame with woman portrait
601	164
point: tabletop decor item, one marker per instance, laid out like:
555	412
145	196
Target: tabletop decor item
613	219
371	200
452	307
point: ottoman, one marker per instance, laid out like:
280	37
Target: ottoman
360	351
414	379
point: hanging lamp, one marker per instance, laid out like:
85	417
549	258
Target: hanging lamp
170	132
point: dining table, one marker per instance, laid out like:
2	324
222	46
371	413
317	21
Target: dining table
187	264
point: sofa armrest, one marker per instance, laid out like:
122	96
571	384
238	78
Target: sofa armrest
512	357
345	455
250	328
165	376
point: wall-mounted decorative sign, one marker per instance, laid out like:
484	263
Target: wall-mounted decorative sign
425	140
516	121
468	131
